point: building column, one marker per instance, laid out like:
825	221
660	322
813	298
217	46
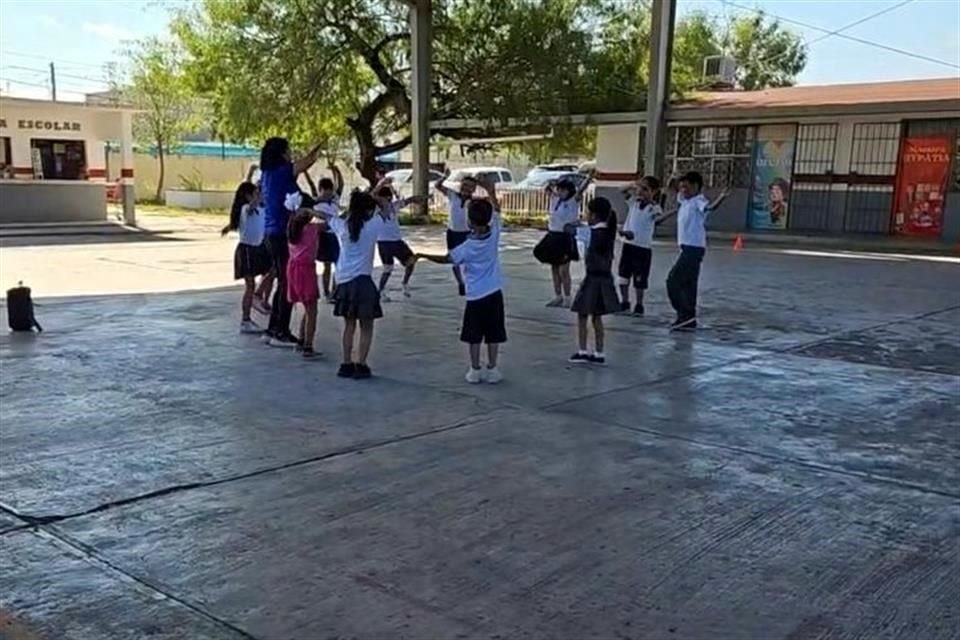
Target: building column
127	189
658	90
420	46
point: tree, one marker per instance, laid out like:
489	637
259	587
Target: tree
156	84
326	70
332	68
766	54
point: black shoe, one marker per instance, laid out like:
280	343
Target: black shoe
685	324
638	310
597	360
309	354
461	290
346	370
579	358
361	372
625	306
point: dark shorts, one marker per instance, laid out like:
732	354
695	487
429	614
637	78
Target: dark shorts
635	265
394	250
250	261
357	298
456	238
483	320
557	248
328	247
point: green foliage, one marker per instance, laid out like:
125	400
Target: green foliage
156	84
323	71
192	182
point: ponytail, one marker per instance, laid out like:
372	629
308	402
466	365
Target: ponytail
242	196
296	225
361	207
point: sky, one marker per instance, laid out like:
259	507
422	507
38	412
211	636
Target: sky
81	36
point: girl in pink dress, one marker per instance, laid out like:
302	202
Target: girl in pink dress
303	236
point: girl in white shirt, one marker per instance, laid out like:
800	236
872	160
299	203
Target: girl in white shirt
643	214
356	298
391	245
559	247
250	258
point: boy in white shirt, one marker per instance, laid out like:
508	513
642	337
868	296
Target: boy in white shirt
643	214
684	276
479	258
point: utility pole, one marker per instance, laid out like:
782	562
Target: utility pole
658	91
53	82
420	48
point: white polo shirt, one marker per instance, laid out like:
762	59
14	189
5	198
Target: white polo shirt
641	220
562	213
691	221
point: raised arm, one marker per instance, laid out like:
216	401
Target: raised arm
583	187
338	180
441	185
306	161
491	188
719	200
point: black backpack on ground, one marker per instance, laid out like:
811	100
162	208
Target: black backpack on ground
20	310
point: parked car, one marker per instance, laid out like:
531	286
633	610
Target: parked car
539	180
403	181
560	166
501	177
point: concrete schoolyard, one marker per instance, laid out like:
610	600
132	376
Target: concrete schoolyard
789	472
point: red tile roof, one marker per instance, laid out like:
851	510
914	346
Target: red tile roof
933	90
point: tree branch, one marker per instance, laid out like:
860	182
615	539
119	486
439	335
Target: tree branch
402	143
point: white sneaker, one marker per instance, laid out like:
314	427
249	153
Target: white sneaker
406	292
247	326
474	376
492	375
385	297
566	302
556	302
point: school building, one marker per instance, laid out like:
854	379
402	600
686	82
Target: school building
877	158
54	164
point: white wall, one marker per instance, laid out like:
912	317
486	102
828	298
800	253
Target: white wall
618	149
24	121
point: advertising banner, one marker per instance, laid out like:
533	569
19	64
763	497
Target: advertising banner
770	193
921	186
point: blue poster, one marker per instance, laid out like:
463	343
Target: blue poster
770	195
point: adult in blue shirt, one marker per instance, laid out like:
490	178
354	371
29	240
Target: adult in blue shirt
277	179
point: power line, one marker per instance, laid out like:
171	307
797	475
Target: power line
48	59
846	27
918	56
59	73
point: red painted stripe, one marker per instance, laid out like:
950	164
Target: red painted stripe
96	173
23	171
126	173
615	176
841	178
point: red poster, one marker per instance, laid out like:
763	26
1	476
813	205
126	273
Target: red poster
921	186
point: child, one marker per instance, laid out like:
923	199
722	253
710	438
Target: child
596	296
643	215
390	245
558	248
458	229
328	249
478	256
250	259
692	238
355	297
302	276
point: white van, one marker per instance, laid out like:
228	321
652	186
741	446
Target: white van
501	177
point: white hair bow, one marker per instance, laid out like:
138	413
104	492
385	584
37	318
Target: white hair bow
293	201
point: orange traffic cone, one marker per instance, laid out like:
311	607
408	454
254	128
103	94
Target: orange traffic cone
738	243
